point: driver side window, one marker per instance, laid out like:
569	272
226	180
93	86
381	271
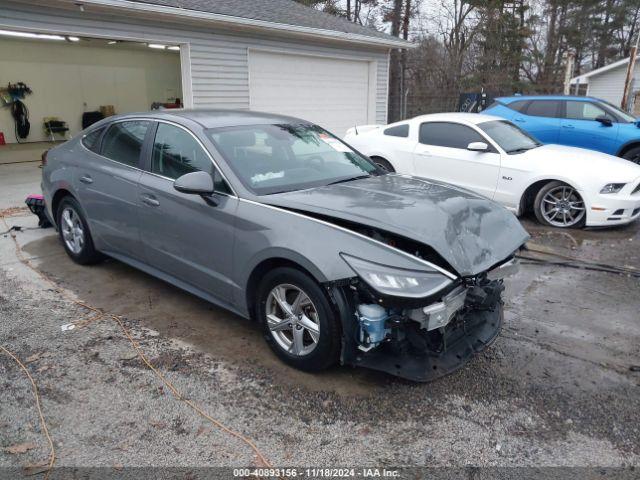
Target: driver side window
451	135
176	152
585	111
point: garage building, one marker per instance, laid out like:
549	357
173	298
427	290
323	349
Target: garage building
608	82
266	55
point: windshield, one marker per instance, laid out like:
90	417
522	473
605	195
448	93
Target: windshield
508	136
621	113
282	158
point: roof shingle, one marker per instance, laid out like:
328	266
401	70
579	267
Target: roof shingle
285	12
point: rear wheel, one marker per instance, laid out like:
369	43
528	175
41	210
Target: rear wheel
383	164
297	320
633	155
560	205
74	233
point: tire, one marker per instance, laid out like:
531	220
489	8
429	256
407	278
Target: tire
633	155
315	354
568	211
74	233
383	164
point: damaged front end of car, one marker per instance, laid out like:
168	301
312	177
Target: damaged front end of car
419	325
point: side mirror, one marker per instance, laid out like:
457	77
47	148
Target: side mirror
478	147
604	121
197	183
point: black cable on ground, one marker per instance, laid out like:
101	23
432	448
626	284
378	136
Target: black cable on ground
18	228
581	265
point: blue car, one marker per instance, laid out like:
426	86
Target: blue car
584	122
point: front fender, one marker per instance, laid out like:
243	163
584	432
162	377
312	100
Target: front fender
283	253
548	178
266	232
634	142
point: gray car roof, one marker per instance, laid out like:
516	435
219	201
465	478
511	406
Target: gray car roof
285	12
215	118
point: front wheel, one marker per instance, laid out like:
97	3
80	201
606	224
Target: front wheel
560	205
297	320
383	164
633	155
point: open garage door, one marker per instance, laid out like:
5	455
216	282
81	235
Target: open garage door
333	93
71	78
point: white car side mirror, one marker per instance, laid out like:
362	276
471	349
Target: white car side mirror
478	147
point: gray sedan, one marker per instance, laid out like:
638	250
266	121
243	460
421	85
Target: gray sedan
278	220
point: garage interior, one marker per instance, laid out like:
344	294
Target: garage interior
76	80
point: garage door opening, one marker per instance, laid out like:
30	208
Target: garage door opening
75	80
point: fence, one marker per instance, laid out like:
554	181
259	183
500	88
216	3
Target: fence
414	105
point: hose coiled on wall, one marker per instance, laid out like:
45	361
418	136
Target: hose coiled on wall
20	114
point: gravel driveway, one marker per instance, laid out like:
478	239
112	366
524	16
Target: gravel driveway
558	388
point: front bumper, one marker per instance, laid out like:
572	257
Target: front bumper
467	335
614	209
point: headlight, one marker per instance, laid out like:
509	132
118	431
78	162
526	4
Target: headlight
397	282
612	187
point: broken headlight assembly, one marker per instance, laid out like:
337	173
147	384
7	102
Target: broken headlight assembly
397	282
434	330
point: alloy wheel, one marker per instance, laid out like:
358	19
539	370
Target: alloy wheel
292	319
72	230
562	206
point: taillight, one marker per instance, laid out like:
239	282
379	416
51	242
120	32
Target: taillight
44	157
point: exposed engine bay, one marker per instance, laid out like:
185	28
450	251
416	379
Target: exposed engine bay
422	339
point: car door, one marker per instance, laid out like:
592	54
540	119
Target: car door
579	127
442	154
540	118
188	237
108	187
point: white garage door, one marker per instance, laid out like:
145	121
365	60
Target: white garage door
331	92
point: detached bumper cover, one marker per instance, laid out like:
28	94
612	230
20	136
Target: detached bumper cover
469	334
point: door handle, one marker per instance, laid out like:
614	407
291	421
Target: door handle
571	127
518	119
149	200
86	179
424	153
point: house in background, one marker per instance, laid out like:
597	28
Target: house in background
267	55
607	83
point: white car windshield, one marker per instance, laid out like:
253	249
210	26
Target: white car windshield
508	136
281	158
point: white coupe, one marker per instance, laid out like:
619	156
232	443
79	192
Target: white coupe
564	186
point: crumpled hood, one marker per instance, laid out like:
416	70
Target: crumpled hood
470	232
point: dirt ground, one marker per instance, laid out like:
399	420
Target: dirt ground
560	387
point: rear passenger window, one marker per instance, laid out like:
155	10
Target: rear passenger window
398	131
123	141
452	135
543	108
176	153
90	140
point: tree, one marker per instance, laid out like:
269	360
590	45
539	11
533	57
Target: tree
501	46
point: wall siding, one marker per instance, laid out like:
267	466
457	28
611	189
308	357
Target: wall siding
219	58
610	85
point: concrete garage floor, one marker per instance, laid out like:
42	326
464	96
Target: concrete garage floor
556	389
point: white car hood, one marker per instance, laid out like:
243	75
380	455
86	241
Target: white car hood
606	167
